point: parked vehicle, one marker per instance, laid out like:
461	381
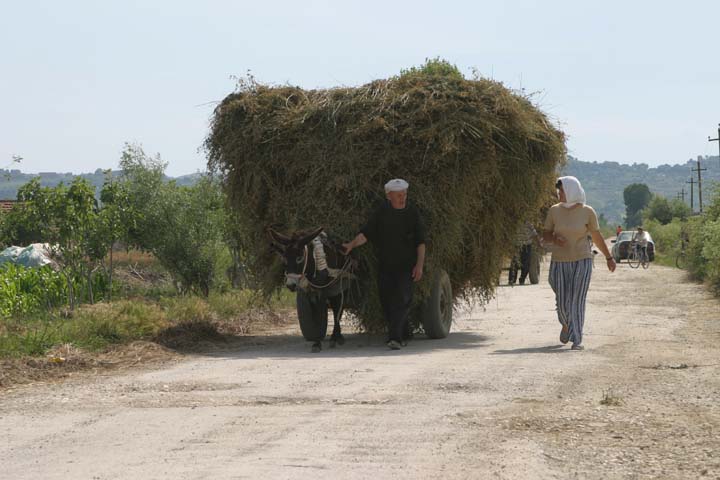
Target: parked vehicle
621	246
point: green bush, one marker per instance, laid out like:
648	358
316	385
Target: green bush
25	290
711	253
183	227
666	238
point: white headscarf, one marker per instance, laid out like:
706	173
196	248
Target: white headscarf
574	192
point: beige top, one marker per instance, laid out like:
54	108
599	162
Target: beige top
575	224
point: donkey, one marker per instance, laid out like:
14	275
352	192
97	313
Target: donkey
318	269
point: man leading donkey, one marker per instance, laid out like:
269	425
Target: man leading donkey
397	232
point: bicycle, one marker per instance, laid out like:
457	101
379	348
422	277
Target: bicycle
638	256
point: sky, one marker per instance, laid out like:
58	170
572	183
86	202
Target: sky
627	81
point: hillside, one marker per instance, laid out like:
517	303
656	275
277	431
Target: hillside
12	180
604	182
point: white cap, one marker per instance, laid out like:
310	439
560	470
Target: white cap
396	185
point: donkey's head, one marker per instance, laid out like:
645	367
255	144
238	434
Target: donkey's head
294	252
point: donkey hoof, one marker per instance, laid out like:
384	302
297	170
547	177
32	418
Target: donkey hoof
340	340
316	348
332	343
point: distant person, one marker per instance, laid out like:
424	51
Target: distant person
523	241
618	230
640	239
567	226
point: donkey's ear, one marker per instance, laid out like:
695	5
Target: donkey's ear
278	237
306	237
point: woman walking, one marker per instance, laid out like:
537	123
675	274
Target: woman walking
567	226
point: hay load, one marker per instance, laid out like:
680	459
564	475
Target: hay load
479	158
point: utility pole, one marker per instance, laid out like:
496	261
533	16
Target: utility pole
716	140
692	195
681	195
699	171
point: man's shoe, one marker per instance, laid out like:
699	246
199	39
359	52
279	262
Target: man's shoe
394	345
577	347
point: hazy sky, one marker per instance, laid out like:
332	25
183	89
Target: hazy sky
628	81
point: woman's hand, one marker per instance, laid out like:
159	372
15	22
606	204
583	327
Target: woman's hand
610	264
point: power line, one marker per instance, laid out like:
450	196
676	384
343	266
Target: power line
699	171
716	140
692	184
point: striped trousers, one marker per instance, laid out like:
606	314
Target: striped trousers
570	282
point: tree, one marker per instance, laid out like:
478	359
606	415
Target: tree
30	216
76	239
679	209
658	209
143	178
183	227
637	196
117	217
187	238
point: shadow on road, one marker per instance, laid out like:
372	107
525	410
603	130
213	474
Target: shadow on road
356	345
520	351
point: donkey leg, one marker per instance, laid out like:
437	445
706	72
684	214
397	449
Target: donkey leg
337	308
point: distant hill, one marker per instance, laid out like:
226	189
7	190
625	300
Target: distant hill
12	180
604	182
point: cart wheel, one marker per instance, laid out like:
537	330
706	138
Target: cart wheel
312	314
534	272
436	312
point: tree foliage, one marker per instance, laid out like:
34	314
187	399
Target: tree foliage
658	209
636	196
182	226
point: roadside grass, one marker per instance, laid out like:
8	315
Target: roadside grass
665	260
147	320
175	322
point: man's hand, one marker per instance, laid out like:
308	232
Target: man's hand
559	240
358	241
417	272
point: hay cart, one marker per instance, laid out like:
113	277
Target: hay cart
305	158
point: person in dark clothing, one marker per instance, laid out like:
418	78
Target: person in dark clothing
521	260
397	232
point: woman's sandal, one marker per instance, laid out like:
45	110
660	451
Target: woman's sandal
564	335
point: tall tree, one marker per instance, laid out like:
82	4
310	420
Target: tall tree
637	196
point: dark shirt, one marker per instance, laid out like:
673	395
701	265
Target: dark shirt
395	234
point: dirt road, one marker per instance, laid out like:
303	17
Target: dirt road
500	398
